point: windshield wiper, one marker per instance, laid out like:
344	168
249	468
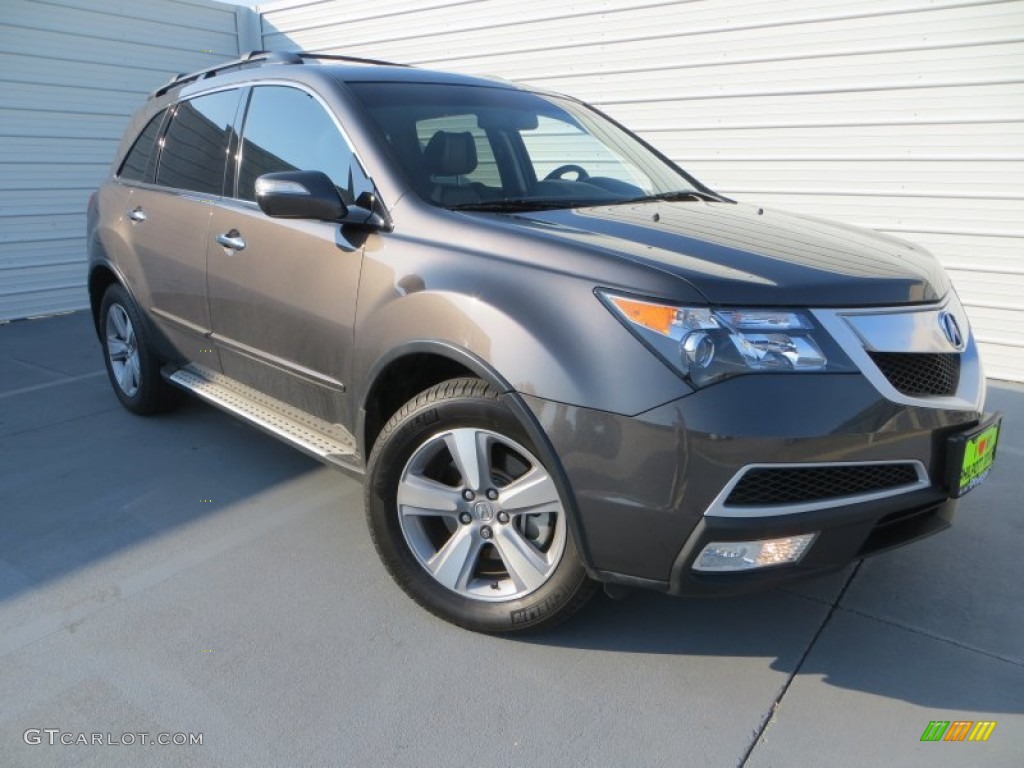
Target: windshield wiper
514	204
672	197
519	204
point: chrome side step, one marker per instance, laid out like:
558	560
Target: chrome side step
320	439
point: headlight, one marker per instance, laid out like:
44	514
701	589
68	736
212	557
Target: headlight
706	344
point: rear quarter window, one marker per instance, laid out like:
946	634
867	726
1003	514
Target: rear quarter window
137	163
195	146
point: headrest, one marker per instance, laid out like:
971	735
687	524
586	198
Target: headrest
450	154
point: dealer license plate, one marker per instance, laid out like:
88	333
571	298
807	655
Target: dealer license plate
971	455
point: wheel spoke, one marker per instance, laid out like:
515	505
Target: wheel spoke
133	373
418	495
452	565
121	373
116	348
532	492
468	449
527	567
120	321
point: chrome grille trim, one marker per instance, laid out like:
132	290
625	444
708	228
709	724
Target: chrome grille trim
719	507
909	329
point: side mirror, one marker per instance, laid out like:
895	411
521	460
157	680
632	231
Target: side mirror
299	195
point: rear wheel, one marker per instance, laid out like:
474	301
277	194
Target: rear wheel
132	365
467	518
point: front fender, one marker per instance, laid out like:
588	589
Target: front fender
486	340
542	333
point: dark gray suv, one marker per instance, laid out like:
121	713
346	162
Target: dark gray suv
557	358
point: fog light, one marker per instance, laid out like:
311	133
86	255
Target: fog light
747	555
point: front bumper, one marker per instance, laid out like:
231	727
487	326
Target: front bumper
845	533
646	486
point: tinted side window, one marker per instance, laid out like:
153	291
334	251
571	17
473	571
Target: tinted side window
196	145
288	130
136	162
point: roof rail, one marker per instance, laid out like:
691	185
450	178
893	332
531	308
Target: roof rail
356	59
253	58
259	58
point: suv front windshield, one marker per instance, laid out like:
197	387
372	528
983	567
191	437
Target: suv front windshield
480	148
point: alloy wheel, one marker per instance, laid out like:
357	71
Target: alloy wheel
122	350
481	514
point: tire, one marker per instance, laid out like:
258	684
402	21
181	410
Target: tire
466	518
132	365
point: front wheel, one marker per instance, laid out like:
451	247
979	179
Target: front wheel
466	517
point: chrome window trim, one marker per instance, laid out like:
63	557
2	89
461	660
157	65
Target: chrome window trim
240	159
253	83
908	334
718	507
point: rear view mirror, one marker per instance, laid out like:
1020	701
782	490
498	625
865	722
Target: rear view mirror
299	195
506	120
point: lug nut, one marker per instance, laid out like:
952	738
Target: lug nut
468	495
492	494
465	518
503	517
486	532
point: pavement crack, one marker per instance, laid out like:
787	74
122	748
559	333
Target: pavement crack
770	714
933	636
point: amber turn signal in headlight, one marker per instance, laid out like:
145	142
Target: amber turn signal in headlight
707	344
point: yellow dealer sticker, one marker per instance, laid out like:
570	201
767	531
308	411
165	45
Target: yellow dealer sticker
978	453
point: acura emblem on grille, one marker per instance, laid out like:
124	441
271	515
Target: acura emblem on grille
951	329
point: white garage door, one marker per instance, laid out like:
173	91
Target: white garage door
71	74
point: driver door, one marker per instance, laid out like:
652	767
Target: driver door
282	292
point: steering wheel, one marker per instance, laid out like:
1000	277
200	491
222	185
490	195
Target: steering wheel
560	171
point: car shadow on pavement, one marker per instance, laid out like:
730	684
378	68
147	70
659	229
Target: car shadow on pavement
83	480
79	491
852	650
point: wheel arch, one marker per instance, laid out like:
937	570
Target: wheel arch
101	277
407	370
436	361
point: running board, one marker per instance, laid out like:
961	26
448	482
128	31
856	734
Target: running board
320	439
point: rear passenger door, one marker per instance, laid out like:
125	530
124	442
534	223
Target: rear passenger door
283	304
170	220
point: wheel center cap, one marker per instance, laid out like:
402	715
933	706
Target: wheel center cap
484	512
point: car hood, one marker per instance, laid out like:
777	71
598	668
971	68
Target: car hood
741	254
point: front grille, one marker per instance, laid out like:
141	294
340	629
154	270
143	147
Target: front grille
793	485
918	374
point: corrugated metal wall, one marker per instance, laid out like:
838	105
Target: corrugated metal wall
902	115
71	74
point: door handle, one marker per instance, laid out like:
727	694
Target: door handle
137	214
232	239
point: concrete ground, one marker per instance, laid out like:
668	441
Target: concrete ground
187	574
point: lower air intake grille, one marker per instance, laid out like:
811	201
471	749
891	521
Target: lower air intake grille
793	485
920	374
